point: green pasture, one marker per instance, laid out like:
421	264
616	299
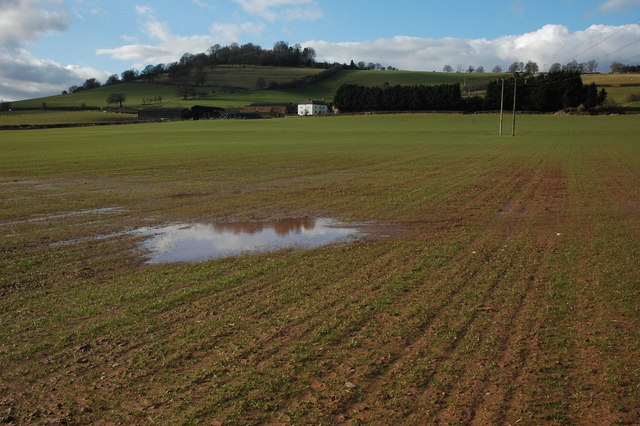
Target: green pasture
217	90
235	87
504	288
43	117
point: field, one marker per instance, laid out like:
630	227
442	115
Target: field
234	87
218	93
43	117
619	87
506	289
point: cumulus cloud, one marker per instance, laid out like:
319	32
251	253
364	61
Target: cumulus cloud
229	33
289	10
618	6
22	21
168	47
549	44
23	75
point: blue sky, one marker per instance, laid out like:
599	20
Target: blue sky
47	45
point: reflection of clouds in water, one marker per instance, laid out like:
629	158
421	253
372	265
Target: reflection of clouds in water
182	243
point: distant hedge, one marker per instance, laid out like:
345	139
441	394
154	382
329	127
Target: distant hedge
355	98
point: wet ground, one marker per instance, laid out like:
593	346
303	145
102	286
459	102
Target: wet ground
199	242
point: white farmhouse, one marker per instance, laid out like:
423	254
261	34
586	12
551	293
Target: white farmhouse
312	108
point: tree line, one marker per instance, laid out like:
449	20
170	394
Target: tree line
620	67
531	67
545	92
356	98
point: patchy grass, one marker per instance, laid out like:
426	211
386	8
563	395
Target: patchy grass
31	117
509	294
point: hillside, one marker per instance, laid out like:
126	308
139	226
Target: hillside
235	86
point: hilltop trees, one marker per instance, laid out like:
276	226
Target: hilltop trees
546	92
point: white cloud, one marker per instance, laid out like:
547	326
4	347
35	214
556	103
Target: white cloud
22	75
22	21
229	33
618	6
168	47
549	44
289	10
202	4
25	76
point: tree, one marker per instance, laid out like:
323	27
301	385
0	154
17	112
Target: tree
617	67
447	68
185	87
470	69
516	67
200	76
555	67
117	98
572	66
149	73
592	66
90	83
531	67
113	79
497	69
480	69
129	75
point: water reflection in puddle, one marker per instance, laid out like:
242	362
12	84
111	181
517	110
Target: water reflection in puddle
199	242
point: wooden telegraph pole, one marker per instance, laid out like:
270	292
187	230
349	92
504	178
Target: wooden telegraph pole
513	125
501	107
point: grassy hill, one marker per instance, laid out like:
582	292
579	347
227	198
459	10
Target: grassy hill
235	86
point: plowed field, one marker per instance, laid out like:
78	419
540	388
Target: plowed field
506	288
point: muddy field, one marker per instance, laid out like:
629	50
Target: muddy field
502	285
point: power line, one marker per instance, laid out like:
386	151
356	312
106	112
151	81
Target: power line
603	40
631	59
622	48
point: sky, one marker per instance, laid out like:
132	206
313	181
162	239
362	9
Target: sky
48	45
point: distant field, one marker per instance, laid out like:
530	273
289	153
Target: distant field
618	86
218	92
505	292
61	117
245	77
612	79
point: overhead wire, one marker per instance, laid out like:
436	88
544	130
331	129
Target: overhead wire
624	27
622	48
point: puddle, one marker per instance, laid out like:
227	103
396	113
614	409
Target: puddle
199	242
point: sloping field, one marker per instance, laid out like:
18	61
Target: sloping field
508	291
217	91
619	87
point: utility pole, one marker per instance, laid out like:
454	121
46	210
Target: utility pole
501	107
513	125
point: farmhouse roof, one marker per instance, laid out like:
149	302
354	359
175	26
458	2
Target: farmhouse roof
312	102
